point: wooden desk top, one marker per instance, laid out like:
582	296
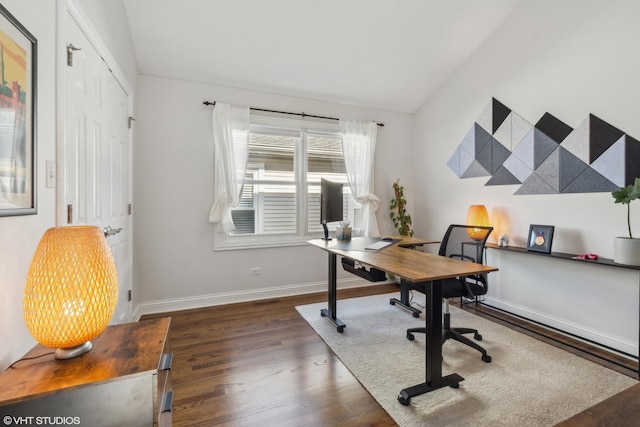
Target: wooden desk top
414	266
121	350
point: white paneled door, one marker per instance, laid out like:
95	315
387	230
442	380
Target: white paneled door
95	154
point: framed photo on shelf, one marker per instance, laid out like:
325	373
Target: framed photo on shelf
18	57
540	238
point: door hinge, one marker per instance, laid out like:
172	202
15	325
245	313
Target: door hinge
70	49
129	209
129	295
131	120
69	214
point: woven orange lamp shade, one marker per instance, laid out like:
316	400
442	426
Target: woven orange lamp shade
71	290
477	215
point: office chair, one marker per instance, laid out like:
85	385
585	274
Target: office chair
463	242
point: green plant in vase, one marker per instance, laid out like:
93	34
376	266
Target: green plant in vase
625	195
627	250
398	212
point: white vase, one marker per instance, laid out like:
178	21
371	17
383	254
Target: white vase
626	251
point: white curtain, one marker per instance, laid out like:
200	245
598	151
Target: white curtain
231	143
359	147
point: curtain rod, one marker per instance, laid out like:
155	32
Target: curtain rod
286	112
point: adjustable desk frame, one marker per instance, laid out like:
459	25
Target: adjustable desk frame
416	267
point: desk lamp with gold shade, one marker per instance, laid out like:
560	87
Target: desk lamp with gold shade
72	289
477	215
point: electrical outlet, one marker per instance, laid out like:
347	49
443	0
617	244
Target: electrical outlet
51	174
254	271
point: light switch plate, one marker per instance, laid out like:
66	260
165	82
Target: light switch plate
51	174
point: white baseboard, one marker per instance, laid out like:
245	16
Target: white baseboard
176	304
564	325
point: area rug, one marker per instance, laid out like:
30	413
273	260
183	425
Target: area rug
528	382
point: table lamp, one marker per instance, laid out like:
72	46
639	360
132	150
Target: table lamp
72	289
477	215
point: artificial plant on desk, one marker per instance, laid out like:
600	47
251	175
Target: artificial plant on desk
627	250
398	212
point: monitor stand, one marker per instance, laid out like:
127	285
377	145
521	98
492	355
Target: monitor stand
326	232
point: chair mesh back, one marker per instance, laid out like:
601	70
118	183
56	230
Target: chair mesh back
465	242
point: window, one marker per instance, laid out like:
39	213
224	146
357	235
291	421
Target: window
280	198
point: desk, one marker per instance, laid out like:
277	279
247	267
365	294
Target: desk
416	267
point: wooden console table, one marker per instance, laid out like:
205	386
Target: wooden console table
124	380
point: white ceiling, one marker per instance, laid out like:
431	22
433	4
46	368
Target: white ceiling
388	54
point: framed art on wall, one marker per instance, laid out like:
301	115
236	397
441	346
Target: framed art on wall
18	58
540	238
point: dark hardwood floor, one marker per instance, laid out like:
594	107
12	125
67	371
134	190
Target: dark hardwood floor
260	363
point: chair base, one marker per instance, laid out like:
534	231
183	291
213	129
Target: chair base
455	334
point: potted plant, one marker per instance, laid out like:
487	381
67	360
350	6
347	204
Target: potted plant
626	250
398	212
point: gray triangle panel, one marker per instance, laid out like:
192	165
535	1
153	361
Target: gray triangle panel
454	162
466	160
517	168
484	157
481	138
549	170
499	153
502	177
543	146
500	113
570	168
475	170
608	164
590	181
535	185
601	136
631	159
468	142
524	151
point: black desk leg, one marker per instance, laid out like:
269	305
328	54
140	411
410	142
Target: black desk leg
404	299
330	312
433	350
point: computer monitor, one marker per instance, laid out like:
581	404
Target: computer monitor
331	199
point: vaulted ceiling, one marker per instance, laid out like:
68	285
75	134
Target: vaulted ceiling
388	54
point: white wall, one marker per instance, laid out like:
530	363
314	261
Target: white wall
568	58
19	236
176	264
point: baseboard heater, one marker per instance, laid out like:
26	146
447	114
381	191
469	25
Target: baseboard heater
372	275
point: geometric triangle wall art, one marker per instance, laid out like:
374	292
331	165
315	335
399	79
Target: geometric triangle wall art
546	158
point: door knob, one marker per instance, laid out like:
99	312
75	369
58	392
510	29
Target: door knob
108	231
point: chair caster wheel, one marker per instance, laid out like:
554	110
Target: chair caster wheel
392	302
340	329
404	400
416	315
410	337
455	385
477	337
322	313
486	358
